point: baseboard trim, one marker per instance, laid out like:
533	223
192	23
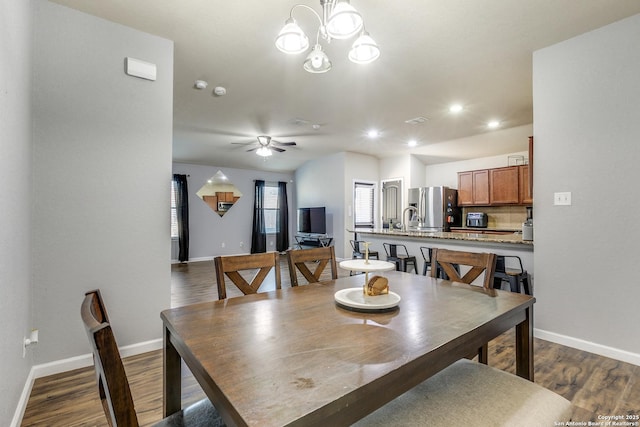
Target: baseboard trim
591	347
69	364
209	258
24	399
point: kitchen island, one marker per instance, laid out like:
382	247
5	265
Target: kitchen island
500	244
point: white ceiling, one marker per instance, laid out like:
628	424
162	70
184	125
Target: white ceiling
434	53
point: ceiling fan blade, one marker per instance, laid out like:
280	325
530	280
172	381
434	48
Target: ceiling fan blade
279	150
253	149
283	144
243	143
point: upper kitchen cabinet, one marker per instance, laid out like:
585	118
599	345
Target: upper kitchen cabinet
504	186
473	188
526	196
495	187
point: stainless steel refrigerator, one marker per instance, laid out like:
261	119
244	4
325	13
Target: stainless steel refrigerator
436	209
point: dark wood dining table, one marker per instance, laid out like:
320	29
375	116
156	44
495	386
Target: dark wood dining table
294	357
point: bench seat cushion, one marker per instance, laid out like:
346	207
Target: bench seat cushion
472	394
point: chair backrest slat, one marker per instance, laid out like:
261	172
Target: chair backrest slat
231	266
450	261
298	258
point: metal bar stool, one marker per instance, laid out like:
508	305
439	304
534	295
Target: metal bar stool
399	255
426	256
514	277
358	252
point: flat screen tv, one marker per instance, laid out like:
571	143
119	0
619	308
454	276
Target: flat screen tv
312	220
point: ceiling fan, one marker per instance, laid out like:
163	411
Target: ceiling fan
266	144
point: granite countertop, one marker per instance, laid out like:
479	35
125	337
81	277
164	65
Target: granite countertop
474	237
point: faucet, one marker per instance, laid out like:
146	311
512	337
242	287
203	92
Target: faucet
404	224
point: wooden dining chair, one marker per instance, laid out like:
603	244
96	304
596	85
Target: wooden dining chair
231	266
451	263
479	262
299	258
113	386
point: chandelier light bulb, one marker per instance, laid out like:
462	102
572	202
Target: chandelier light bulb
291	38
364	50
317	61
345	21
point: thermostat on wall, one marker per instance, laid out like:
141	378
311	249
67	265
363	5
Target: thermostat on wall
137	68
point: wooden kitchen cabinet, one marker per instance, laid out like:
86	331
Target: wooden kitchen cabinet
504	186
212	201
225	196
524	177
473	188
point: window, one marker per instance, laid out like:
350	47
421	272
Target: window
271	208
363	205
174	211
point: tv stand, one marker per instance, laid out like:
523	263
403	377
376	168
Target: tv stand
313	240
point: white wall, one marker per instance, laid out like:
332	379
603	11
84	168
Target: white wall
208	231
446	174
321	182
361	168
586	103
15	170
417	173
102	170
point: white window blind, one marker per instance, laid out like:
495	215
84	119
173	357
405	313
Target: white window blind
271	208
363	205
174	212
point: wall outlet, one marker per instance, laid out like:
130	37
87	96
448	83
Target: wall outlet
223	244
242	244
562	198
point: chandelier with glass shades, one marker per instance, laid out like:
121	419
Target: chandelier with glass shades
339	20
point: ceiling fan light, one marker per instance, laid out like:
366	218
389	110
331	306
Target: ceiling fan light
364	50
291	38
263	152
317	61
344	21
264	139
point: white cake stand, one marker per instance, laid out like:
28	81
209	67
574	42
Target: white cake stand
367	266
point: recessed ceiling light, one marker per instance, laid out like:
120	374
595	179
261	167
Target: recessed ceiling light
373	133
493	124
455	108
412	143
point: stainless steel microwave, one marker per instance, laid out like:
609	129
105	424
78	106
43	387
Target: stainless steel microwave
224	206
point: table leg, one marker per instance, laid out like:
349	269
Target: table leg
524	346
171	386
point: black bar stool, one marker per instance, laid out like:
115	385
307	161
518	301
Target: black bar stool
514	277
426	256
358	251
399	255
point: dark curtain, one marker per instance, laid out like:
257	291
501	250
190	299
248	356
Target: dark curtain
258	237
182	210
282	233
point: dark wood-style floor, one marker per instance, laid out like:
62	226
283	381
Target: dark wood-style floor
596	385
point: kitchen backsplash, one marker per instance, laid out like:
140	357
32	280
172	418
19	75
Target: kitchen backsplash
501	217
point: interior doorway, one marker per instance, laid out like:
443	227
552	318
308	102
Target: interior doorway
391	199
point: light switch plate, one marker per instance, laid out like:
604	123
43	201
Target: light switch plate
562	198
